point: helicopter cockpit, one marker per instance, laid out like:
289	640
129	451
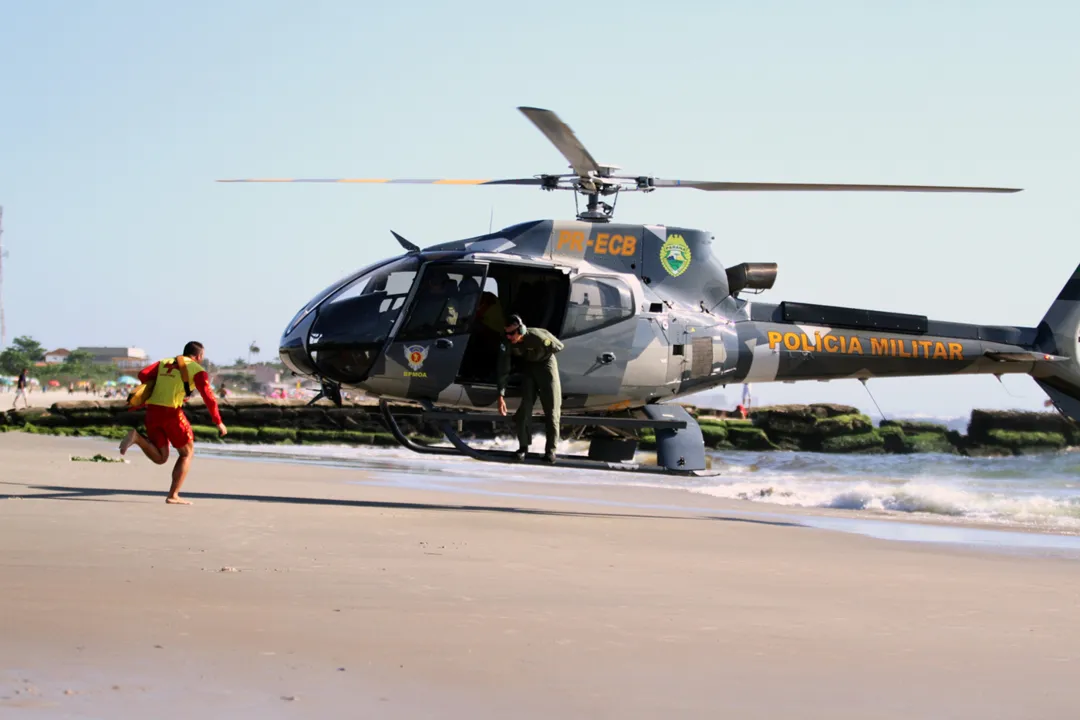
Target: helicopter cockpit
378	327
344	332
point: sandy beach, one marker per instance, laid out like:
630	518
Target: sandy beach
292	590
41	399
38	398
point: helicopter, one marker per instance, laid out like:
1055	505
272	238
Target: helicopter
647	314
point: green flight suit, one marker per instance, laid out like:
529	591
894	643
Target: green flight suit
540	377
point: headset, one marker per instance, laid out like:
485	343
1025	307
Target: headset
516	320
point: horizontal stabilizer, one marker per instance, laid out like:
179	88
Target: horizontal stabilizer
1028	356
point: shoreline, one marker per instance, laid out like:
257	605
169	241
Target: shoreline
820	428
892	526
405	470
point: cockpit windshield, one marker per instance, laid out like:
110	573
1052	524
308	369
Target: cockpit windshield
352	325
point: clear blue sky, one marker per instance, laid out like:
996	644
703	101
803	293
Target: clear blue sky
116	117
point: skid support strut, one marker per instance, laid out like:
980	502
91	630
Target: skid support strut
679	444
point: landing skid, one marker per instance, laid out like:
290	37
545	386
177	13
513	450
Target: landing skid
406	442
680	447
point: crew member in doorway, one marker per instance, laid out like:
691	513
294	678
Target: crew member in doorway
540	377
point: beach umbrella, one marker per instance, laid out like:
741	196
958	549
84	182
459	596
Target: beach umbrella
110	383
54	383
127	380
6	381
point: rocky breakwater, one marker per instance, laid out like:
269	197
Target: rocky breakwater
810	428
249	420
843	429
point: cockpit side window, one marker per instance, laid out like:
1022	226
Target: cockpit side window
595	303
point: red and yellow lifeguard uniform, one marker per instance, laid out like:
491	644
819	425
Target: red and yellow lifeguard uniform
165	419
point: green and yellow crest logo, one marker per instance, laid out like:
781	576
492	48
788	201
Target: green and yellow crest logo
675	255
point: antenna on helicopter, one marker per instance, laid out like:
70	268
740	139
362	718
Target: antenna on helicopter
3	254
1005	387
408	246
595	180
867	388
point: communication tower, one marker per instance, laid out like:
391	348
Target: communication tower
3	254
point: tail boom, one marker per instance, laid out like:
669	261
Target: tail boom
775	349
790	342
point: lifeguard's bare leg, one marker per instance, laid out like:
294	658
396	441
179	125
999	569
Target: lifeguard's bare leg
180	471
157	455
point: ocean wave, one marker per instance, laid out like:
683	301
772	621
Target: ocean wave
1059	467
1058	513
1039	492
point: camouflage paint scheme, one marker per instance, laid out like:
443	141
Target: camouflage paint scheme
691	333
1059	334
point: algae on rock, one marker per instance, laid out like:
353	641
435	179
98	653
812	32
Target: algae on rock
867	442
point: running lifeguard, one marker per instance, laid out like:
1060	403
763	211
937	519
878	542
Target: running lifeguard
169	383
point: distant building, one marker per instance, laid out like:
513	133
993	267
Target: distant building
56	357
124	358
130	363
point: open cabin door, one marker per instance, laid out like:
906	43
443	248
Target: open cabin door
537	294
425	355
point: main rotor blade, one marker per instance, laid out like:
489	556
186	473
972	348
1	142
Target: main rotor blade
563	138
439	181
825	187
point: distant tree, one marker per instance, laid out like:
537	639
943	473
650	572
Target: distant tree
78	361
30	347
12	361
253	349
239	362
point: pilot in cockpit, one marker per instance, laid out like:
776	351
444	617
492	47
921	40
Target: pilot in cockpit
468	294
435	307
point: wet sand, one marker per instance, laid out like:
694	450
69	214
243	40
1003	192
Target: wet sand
303	591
